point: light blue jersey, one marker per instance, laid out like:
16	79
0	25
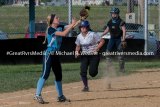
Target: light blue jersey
54	42
51	61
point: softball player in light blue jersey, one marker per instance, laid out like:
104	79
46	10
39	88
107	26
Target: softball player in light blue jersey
50	59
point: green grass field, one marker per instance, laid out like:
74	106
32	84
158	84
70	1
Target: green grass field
16	19
20	77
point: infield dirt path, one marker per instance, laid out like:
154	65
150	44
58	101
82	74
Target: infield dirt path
137	90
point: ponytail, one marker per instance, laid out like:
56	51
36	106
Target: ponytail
50	19
46	35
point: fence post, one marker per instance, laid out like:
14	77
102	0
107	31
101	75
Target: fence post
159	21
70	14
146	26
141	5
31	18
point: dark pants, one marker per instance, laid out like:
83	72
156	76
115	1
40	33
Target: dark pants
51	61
91	61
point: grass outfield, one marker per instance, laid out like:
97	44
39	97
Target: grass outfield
16	19
19	77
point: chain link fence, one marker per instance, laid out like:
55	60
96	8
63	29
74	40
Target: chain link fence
14	17
154	26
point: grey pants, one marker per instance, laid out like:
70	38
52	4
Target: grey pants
115	45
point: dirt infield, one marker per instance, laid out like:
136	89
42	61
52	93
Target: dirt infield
137	90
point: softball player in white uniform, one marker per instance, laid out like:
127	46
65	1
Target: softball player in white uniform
89	43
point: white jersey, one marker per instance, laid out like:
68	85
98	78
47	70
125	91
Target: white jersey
89	42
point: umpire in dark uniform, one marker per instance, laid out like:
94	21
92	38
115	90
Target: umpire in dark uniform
117	29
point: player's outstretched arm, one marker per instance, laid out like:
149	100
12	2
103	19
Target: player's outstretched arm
66	31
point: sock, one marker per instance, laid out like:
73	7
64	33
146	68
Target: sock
40	84
58	85
85	81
